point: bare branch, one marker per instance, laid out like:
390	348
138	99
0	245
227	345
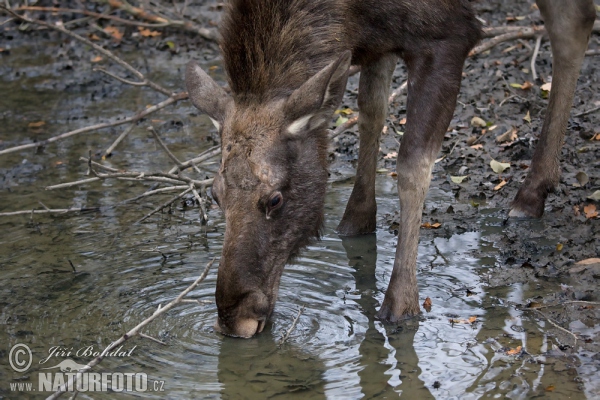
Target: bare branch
133	332
171	100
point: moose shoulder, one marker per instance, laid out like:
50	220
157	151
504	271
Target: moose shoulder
287	65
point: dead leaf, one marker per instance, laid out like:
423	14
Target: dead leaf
582	178
478	146
590	211
213	67
576	211
148	33
391	155
508	136
96	59
588	261
500	185
499	167
38	124
115	32
94	37
527	117
596	136
427	304
341	120
478	122
463	321
550	388
393	174
595	196
458	179
526	85
428	225
402	121
514	351
345	111
559	247
546	86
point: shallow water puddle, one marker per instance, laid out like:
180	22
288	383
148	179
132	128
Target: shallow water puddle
337	349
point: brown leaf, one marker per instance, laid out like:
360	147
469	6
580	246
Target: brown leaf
527	117
427	304
576	211
550	388
38	124
472	319
402	121
94	37
115	32
508	136
500	185
477	146
148	33
428	225
391	155
527	85
96	59
588	261
590	211
514	351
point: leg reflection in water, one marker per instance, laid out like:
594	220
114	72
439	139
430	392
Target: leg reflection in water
388	357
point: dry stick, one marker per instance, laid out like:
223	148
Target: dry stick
122	136
50	211
155	191
503	34
581	114
536	49
140	13
91	14
70	184
164	146
203	216
559	327
126	81
294	322
171	100
71	383
168	203
210	153
100	49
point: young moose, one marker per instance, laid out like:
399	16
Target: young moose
287	64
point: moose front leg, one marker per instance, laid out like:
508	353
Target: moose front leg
569	25
434	75
361	210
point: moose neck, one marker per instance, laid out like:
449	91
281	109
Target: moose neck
271	47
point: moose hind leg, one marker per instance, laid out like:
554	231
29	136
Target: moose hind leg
361	210
569	25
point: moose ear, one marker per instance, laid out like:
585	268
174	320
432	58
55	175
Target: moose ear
205	94
312	103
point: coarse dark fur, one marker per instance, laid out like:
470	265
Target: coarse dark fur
287	64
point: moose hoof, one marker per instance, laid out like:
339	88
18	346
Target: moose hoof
350	228
392	314
526	211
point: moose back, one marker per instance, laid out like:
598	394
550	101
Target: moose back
287	65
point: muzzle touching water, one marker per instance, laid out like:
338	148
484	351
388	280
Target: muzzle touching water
245	317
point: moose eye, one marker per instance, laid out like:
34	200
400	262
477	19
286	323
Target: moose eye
275	201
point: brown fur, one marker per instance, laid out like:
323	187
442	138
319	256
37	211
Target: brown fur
287	64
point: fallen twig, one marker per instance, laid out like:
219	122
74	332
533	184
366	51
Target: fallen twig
133	332
171	100
167	204
291	328
50	211
122	136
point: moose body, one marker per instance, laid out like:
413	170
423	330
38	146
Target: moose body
287	65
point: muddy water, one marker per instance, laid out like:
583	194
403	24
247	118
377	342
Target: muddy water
337	350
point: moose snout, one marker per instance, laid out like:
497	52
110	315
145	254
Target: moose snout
246	319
